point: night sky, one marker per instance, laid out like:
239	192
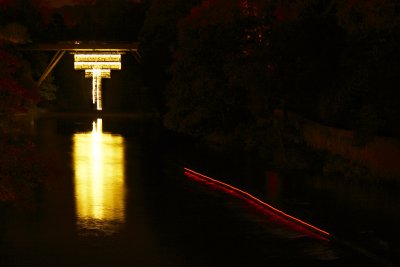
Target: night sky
59	3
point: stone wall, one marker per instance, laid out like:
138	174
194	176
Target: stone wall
381	155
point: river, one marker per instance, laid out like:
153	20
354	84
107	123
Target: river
117	196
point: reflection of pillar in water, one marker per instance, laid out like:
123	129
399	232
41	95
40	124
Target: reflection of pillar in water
98	160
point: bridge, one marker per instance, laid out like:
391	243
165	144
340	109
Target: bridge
96	58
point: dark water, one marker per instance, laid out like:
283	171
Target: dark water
117	197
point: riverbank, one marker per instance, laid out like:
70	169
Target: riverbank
359	210
296	144
376	156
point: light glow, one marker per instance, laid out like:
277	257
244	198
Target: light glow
102	73
270	210
98	160
97	66
97	57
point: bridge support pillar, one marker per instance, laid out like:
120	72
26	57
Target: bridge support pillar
51	66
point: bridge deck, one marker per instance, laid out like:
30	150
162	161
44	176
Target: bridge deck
80	46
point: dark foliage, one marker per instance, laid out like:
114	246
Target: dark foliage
237	61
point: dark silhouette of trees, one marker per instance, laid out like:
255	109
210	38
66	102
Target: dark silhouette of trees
158	40
56	30
34	64
119	20
205	94
236	61
23	24
27	13
15	92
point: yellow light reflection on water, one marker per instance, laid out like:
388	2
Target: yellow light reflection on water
98	160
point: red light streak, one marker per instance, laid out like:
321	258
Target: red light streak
310	229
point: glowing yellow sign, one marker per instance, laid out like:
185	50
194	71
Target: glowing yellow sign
97	66
104	57
102	73
98	160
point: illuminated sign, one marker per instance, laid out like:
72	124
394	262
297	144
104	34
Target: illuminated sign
101	73
97	66
97	57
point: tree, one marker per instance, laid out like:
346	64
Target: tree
27	13
84	2
14	96
363	97
56	29
158	41
221	70
236	61
21	171
14	33
359	15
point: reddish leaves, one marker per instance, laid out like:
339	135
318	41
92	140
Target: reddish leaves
4	3
13	95
21	173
